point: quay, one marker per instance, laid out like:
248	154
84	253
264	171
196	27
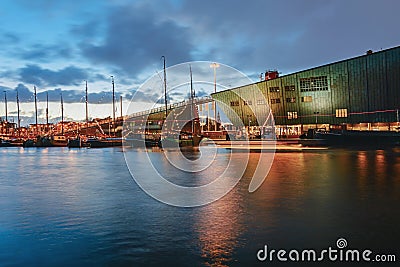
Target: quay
264	146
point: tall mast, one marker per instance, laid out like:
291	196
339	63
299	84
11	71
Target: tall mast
5	102
191	99
120	100
113	104
87	111
165	89
36	115
47	111
19	121
215	66
62	115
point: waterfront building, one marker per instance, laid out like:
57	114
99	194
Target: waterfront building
361	93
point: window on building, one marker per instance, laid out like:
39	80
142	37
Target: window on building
260	102
291	115
291	100
290	88
275	100
234	103
341	113
274	89
314	84
306	98
248	102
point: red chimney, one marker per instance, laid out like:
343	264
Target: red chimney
271	74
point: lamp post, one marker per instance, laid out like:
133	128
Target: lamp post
316	119
215	66
249	119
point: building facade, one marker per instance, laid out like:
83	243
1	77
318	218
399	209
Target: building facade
358	93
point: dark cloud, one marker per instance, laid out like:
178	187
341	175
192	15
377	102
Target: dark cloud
135	39
34	74
76	96
140	96
9	38
42	52
253	36
24	94
288	35
69	96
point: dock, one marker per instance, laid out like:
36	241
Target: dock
263	146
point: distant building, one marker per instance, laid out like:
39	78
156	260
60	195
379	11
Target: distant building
360	93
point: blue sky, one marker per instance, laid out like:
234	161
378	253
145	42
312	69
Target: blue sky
56	45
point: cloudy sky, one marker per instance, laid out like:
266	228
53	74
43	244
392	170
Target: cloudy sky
56	45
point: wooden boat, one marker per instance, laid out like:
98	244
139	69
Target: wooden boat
106	142
186	135
11	143
78	142
59	140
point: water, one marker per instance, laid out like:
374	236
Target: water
80	207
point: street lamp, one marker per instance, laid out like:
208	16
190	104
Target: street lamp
249	119
215	66
316	119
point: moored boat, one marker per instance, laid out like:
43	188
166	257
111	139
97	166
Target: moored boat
78	142
360	138
106	142
11	143
59	140
350	138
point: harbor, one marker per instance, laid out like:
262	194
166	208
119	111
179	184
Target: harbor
199	133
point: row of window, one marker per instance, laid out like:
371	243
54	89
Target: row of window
275	89
273	101
340	113
292	99
314	84
306	85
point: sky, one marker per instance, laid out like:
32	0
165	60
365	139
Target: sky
58	45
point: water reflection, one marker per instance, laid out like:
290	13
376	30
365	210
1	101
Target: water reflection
218	227
81	207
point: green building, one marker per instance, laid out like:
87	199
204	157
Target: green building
361	93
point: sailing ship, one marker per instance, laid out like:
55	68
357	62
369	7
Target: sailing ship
183	125
79	142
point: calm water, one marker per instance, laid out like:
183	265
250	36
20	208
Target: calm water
80	207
